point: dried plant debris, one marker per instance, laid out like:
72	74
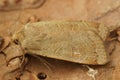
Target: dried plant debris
7	5
75	41
91	72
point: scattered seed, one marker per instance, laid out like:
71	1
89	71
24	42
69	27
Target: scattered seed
42	76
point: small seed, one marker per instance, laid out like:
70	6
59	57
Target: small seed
42	76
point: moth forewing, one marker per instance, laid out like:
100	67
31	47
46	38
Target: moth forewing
74	41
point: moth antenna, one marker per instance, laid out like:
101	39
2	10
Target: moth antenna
15	24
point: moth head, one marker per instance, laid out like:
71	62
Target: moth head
18	37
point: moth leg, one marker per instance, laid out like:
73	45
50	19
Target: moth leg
15	59
23	59
4	43
15	67
4	55
1	41
22	50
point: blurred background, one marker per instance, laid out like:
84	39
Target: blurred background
14	14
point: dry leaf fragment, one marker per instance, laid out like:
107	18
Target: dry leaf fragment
91	72
6	5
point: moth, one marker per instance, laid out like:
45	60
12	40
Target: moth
74	41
